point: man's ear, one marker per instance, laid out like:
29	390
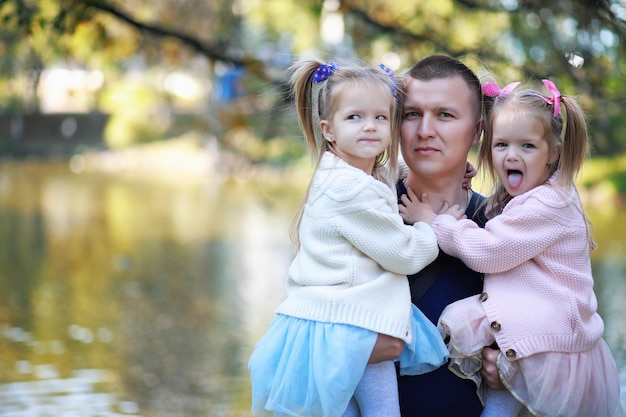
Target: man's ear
478	130
327	132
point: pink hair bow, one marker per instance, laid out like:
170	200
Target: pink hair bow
555	97
492	89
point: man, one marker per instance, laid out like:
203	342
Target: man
441	122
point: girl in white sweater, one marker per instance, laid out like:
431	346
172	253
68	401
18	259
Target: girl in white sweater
347	283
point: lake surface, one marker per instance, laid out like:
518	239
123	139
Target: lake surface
143	295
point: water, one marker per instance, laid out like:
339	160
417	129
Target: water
144	295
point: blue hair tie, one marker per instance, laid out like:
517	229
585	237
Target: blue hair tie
386	69
389	72
324	71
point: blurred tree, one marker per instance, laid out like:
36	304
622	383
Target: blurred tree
580	45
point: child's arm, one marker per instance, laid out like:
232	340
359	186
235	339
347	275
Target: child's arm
413	210
466	183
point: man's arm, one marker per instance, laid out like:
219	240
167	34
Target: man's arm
387	348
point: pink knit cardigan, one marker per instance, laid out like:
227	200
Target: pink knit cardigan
538	288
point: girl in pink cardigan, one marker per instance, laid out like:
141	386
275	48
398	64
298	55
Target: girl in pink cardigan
538	305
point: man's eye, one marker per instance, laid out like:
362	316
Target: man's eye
411	115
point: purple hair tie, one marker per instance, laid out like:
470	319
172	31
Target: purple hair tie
324	71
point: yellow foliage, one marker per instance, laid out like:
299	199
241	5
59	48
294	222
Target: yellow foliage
285	18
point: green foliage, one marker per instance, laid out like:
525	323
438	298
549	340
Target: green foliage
579	45
609	171
123	131
284	23
277	151
136	115
618	180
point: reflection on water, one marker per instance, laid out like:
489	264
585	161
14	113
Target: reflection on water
144	296
52	396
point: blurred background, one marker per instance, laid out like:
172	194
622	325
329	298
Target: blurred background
150	167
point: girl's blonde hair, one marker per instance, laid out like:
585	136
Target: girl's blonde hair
565	133
318	101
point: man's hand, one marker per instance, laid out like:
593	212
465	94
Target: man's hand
489	370
387	348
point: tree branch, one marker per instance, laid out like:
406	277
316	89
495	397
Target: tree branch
400	32
192	42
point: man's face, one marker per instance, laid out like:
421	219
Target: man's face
438	126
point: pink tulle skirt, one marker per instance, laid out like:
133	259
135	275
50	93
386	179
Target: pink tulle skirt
555	384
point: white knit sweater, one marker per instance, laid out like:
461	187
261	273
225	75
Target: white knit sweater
355	254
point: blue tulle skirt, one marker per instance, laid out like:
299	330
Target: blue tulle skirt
427	351
307	368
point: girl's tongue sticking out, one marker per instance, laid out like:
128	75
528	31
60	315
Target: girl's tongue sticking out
514	178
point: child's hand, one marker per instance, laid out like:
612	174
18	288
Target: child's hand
454	210
470	172
413	210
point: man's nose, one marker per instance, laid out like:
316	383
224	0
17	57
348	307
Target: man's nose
426	127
